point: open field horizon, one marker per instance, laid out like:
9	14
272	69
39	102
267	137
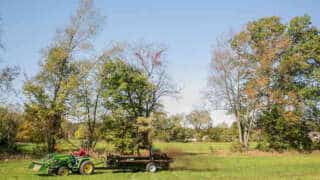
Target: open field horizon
198	161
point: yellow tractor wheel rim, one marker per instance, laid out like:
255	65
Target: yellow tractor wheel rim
88	168
65	172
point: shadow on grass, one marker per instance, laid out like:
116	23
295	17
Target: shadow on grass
126	171
71	174
170	170
177	169
193	169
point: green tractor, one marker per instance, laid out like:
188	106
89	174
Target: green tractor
80	162
63	164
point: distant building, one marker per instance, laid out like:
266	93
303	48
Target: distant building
191	139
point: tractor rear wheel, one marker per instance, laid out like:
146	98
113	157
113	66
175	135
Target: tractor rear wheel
87	168
63	171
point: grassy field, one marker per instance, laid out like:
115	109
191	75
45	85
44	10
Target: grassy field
198	161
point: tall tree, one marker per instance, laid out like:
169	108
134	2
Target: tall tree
125	90
150	59
49	91
229	73
87	98
286	61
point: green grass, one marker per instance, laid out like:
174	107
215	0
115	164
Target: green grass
199	161
192	147
203	147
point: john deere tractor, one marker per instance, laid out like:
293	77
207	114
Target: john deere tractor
63	164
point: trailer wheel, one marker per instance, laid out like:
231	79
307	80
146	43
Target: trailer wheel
86	168
63	171
151	167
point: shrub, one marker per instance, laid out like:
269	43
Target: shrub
39	150
282	134
220	134
237	147
263	146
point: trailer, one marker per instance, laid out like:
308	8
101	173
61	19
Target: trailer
151	163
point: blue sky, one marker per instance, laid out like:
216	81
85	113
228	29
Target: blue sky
188	28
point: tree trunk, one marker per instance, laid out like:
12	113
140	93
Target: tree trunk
53	131
91	139
243	132
239	128
246	139
51	142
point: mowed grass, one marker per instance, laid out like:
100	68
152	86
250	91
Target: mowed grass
198	161
191	147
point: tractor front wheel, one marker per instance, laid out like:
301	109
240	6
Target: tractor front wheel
86	168
63	171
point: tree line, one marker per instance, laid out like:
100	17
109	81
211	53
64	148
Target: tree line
266	75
